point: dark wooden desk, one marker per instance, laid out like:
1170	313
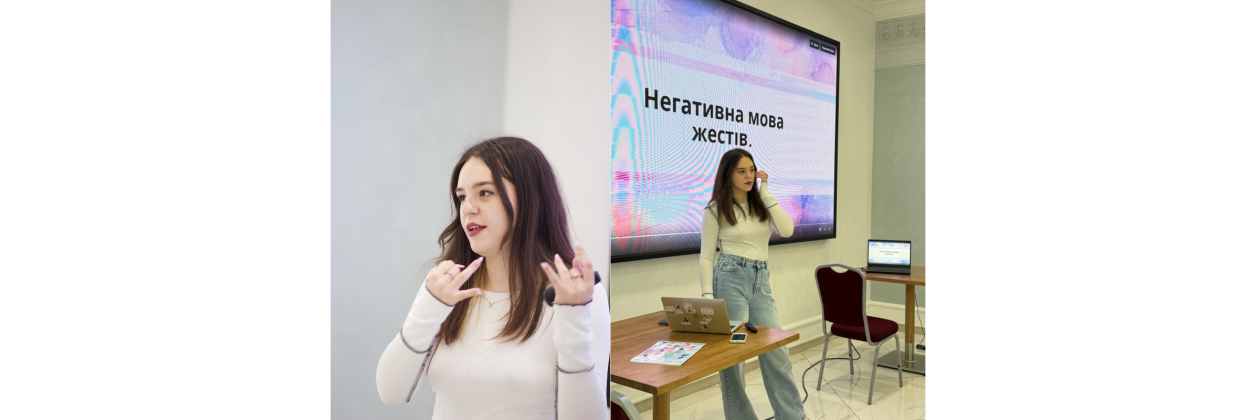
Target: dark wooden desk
630	337
917	277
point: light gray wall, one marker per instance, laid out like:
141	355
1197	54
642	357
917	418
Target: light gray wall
556	95
897	185
413	82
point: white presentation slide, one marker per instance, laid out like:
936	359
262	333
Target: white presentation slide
888	253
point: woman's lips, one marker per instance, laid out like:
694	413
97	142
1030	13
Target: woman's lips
474	229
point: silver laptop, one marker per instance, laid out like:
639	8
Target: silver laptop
887	256
698	315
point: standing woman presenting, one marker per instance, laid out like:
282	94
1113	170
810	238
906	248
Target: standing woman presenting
479	331
738	219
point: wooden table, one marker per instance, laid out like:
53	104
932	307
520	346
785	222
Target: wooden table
630	337
910	362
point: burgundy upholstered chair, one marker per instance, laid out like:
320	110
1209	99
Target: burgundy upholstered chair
622	409
843	297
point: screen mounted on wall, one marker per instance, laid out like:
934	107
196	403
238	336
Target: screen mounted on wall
692	79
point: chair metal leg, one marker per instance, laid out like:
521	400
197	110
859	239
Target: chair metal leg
897	341
851	357
874	368
823	363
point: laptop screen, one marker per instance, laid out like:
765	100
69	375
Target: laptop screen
887	252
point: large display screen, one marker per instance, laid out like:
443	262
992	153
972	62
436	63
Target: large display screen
692	79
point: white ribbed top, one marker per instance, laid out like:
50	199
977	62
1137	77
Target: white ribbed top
481	378
747	238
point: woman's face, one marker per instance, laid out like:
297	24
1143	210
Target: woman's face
481	212
744	174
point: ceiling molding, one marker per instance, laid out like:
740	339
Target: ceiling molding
892	9
898	33
900	58
901	42
867	5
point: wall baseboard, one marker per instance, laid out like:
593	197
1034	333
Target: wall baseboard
895	312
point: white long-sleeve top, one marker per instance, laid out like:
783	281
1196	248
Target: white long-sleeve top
749	238
559	373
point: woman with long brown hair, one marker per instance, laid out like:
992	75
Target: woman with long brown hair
479	330
738	219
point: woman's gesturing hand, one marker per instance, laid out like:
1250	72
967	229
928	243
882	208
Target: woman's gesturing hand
445	279
574	286
765	177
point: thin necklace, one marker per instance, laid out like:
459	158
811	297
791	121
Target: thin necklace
491	304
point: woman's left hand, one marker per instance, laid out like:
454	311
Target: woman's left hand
574	286
765	177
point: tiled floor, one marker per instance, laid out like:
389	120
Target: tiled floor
843	396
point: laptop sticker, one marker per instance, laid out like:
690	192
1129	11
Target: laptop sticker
686	321
688	308
707	311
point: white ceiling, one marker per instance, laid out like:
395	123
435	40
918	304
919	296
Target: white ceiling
891	9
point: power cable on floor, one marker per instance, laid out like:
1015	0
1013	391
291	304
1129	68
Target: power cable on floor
806	389
922	326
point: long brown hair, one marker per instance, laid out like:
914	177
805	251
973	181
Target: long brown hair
540	229
723	200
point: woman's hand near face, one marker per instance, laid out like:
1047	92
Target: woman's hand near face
765	177
574	286
445	279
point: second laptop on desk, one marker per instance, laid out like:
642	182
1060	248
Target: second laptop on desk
698	315
887	256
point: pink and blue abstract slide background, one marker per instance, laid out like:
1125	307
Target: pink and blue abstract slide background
715	53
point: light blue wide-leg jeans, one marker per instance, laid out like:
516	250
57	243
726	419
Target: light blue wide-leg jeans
745	286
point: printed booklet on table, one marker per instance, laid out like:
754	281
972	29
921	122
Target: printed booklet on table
670	353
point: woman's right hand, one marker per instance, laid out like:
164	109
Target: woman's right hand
445	279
